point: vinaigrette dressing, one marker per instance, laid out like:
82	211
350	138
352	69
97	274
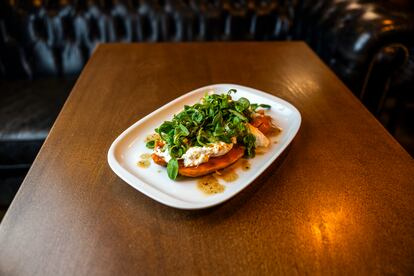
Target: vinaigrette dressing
144	163
209	185
145	156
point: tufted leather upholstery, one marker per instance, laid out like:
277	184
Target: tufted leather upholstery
44	45
369	44
57	37
27	111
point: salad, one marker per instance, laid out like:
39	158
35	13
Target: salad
211	135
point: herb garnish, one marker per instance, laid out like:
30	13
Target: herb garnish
172	168
216	118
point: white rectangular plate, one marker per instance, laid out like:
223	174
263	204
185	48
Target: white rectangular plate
153	181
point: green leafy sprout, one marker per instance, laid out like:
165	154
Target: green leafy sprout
217	117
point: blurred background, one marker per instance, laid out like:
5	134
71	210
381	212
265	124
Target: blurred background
45	44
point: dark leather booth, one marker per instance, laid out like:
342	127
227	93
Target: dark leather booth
45	44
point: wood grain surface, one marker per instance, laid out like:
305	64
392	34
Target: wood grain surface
341	201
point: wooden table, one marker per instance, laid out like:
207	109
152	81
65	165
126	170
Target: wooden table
341	202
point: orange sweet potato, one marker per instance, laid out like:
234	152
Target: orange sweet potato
158	160
264	124
214	164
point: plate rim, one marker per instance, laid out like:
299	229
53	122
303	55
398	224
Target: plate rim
169	200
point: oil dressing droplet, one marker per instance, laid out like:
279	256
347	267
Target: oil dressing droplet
145	156
209	185
228	174
144	163
245	165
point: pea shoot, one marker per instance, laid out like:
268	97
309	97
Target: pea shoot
217	117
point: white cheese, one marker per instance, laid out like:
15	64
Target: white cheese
261	139
198	155
164	154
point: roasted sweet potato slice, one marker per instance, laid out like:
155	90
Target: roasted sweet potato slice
158	160
214	164
264	124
